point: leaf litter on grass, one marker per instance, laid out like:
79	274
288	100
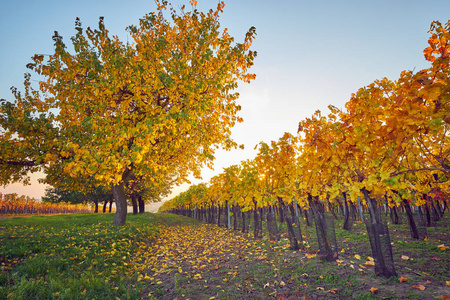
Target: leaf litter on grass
200	261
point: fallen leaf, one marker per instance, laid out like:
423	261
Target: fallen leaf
320	288
405	257
402	279
373	290
267	285
321	276
343	251
447	283
419	287
310	255
442	247
426	238
332	291
435	258
428	282
370	263
357	257
282	283
443	297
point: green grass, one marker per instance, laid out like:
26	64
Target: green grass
71	256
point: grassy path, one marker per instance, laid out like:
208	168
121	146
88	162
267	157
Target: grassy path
172	257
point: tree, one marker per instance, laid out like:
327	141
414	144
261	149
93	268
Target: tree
62	194
164	101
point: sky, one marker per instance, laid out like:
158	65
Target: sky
310	53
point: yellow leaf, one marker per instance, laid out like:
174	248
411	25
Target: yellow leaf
357	257
370	263
373	290
419	287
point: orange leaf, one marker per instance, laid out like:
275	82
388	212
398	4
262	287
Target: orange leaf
402	279
419	287
443	297
373	290
435	258
310	255
333	291
428	282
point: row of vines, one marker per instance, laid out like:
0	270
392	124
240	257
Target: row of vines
388	149
12	204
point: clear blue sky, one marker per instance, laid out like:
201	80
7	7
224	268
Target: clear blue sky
310	53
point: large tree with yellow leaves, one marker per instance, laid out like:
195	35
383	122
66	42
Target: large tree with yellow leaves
163	101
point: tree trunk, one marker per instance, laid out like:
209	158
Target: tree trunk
297	229
412	224
141	205
96	207
394	215
308	223
121	204
272	226
331	206
290	228
104	206
110	205
256	230
436	214
218	216
379	238
326	235
235	215
348	221
244	227
134	203
427	214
